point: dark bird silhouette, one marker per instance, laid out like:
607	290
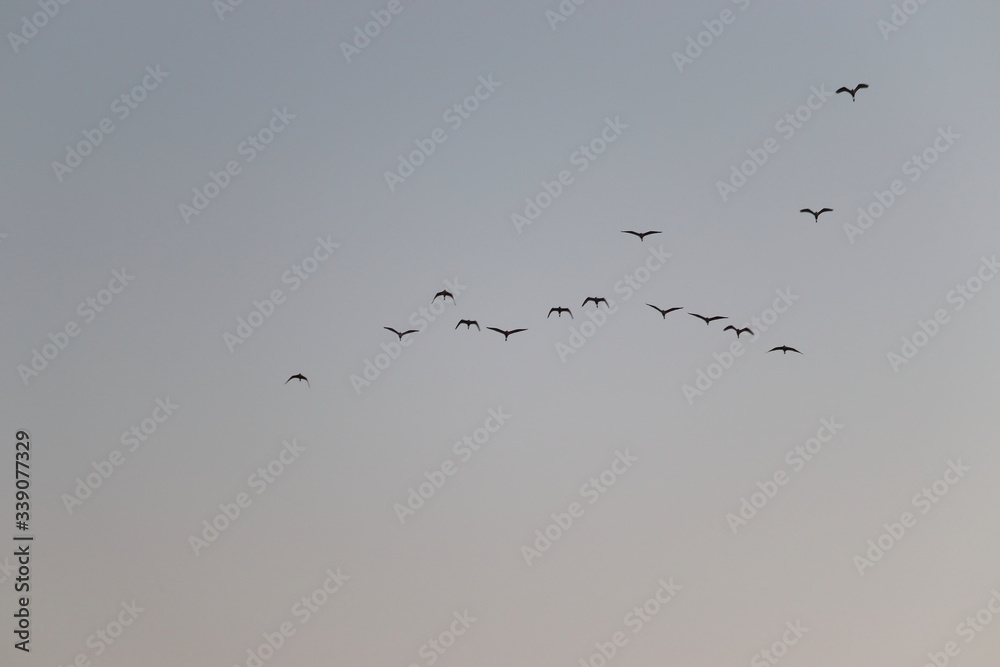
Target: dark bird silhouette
468	324
300	377
664	312
597	301
739	331
408	331
559	312
444	294
784	349
852	91
708	320
505	333
642	235
816	214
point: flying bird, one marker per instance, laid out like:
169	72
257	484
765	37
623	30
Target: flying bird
597	301
444	294
816	214
300	377
468	324
559	312
739	331
642	235
784	349
852	91
408	331
505	333
708	320
664	312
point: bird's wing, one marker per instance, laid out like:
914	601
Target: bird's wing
792	349
551	310
844	89
774	349
409	331
632	233
670	310
806	210
654	232
589	298
654	308
460	322
825	210
289	379
392	330
733	328
514	331
497	330
477	325
860	86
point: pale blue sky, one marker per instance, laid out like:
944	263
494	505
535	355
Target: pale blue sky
344	124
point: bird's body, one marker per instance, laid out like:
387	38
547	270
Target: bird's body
597	301
816	214
444	294
739	331
709	320
300	377
401	334
505	332
852	91
468	324
559	312
784	349
642	235
664	312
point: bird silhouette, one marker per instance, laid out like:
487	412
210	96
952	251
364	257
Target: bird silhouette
468	324
559	312
709	320
408	331
505	333
597	301
739	331
852	91
300	377
444	294
642	235
664	312
816	214
784	349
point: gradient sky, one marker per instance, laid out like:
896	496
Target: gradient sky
323	176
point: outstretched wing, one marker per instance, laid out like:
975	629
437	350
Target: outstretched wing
859	87
632	233
825	210
552	310
500	331
734	329
716	317
652	232
514	331
589	298
844	89
659	310
408	331
808	210
393	331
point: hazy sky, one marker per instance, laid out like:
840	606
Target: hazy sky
198	207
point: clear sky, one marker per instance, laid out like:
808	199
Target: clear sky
204	199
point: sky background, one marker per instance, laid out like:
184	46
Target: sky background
366	446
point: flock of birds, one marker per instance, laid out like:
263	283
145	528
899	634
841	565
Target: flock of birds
444	295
